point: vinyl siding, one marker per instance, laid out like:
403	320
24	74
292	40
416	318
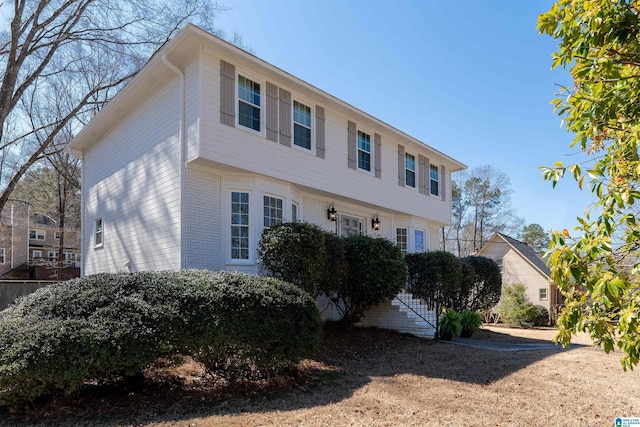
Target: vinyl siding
203	220
132	182
237	149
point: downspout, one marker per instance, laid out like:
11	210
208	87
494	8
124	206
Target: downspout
183	181
83	218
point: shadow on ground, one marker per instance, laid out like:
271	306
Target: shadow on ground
347	362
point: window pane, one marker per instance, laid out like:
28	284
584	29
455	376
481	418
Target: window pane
364	141
401	239
364	160
410	162
434	187
301	114
272	211
302	136
248	90
249	116
410	178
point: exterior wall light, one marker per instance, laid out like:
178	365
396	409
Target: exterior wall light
332	215
375	222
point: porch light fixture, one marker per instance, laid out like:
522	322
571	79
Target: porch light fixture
332	215
375	222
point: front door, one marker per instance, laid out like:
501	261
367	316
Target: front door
350	225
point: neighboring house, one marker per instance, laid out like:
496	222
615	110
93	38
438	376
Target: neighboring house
44	243
14	232
29	245
209	145
519	263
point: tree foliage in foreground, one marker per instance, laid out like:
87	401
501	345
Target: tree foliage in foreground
598	272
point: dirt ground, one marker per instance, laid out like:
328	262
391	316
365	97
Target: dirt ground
372	377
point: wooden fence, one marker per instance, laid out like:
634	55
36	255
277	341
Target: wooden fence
10	290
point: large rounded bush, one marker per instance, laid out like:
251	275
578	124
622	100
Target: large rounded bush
482	284
435	277
111	326
294	252
375	273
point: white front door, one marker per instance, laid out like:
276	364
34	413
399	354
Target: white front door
350	225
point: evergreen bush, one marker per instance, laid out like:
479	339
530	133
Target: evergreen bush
112	326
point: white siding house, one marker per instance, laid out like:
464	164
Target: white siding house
208	144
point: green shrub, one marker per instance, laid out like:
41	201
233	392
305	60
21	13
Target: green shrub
335	270
450	324
482	283
516	309
375	272
97	328
257	325
435	277
470	321
538	315
295	253
111	326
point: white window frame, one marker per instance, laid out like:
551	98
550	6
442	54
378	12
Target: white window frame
408	170
3	256
261	107
415	240
404	249
437	181
543	294
98	233
370	152
56	235
38	234
36	253
295	212
52	255
312	139
266	217
233	225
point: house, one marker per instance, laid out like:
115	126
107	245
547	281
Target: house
519	263
29	245
14	231
209	145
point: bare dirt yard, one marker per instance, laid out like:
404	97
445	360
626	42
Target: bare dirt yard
372	377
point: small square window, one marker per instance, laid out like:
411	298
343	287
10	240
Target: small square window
543	294
2	256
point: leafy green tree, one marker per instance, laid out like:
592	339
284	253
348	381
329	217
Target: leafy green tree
598	272
535	236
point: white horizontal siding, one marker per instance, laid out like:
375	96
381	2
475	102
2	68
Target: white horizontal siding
237	148
516	269
132	182
203	221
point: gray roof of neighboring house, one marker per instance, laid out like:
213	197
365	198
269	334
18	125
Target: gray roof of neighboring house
527	252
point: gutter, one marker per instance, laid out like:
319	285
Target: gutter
182	173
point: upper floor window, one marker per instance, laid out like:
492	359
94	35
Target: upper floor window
364	151
434	179
410	170
239	225
249	103
2	256
402	239
37	234
272	211
301	125
97	232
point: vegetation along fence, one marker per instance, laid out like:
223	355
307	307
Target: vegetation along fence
10	290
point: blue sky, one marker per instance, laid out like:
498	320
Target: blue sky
472	79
